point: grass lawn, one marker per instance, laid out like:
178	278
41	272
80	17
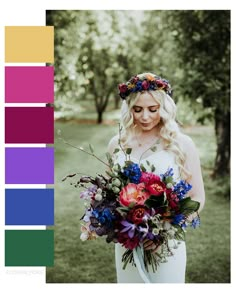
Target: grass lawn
208	248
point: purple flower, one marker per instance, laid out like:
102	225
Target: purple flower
129	228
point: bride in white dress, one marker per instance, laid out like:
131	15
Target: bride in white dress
148	120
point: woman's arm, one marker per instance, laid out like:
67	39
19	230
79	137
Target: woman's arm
192	164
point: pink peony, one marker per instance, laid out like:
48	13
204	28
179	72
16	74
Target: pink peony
133	193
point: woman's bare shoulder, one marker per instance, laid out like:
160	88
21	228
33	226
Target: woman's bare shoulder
113	144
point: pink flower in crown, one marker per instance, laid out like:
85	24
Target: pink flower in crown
160	84
123	88
145	85
135	79
133	193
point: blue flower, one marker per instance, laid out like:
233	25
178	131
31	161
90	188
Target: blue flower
195	222
138	86
133	172
181	189
104	217
178	219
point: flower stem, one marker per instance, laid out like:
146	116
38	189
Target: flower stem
82	150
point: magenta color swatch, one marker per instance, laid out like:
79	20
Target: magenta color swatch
25	84
29	165
29	125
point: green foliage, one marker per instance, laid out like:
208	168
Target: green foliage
188	206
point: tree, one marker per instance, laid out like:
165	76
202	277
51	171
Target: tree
92	55
203	45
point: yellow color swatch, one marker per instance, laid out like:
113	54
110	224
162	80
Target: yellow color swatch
26	44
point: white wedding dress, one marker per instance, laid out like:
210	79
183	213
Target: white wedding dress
172	271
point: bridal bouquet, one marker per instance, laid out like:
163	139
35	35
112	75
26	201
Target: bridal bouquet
128	205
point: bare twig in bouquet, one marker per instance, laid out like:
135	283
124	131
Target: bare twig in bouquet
83	150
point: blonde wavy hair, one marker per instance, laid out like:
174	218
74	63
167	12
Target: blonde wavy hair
169	128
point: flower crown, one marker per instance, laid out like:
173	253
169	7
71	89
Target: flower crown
144	82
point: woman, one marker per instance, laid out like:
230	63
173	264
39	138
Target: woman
148	120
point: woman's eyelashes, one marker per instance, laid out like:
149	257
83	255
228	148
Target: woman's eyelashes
138	110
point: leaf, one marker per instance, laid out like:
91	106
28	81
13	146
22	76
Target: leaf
143	168
116	151
188	206
91	148
131	205
109	173
180	233
128	151
153	149
109	158
156	201
122	210
169	179
148	163
153	168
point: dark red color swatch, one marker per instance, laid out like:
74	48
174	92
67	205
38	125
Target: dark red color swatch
29	125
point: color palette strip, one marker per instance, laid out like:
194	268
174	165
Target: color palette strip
29	165
29	125
29	247
29	44
29	84
29	206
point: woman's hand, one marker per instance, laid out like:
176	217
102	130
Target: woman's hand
150	245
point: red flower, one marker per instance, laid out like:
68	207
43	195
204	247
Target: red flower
137	214
127	242
149	178
173	201
157	188
123	88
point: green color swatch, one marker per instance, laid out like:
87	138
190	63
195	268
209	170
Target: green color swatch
29	247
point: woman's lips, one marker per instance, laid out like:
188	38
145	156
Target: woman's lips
145	124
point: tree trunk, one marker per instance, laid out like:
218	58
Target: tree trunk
99	117
222	130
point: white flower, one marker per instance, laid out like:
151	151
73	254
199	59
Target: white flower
166	225
169	185
98	197
84	236
155	231
99	190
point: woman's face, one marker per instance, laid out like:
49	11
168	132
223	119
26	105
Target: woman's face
146	112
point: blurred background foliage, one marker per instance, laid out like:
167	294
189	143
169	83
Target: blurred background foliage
97	50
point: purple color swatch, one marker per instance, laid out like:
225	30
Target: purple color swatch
29	165
24	84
